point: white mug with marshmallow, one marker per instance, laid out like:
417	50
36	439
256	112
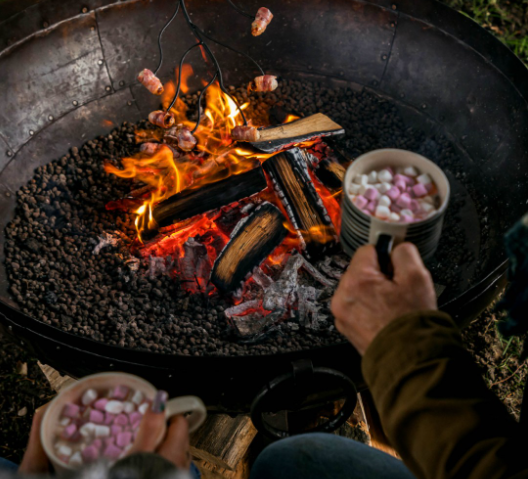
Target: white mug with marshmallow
106	381
359	228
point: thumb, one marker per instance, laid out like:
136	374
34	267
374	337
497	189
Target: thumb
152	425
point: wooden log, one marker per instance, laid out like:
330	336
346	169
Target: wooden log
192	202
280	137
253	239
223	440
331	174
305	208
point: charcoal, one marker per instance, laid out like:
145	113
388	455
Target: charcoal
55	277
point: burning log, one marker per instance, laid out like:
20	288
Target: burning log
280	137
331	174
253	239
191	202
290	177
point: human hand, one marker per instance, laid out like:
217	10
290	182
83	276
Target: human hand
366	300
175	445
35	460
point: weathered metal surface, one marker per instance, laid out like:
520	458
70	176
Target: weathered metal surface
42	77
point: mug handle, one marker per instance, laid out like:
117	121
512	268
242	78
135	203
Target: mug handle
187	404
383	248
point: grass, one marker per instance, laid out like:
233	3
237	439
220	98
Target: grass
507	19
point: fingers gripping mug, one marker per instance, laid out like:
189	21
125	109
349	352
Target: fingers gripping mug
102	382
359	228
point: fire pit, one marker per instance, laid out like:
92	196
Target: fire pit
86	295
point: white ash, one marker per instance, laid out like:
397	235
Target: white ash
106	240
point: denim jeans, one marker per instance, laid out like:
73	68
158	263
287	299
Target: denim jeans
320	456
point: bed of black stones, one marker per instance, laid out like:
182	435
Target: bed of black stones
56	278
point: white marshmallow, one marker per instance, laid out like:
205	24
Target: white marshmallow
382	212
428	199
395	217
143	408
361	179
137	397
129	407
101	431
407	213
424	179
426	207
64	450
89	397
385	187
377	186
353	189
384	201
64	421
373	177
87	429
76	459
410	171
384	176
114	407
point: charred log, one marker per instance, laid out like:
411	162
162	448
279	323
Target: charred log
193	202
289	174
331	174
254	238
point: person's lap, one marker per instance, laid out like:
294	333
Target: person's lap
322	456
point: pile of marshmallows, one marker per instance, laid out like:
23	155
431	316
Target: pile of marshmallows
101	425
403	195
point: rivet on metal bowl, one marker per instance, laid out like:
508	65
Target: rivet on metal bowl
393	24
121	83
31	132
100	62
129	103
9	152
110	365
108	88
8	194
45	24
394	6
84	9
58	347
50	118
10	328
402	95
424	106
170	375
75	102
384	57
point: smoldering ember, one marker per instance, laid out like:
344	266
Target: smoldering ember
223	250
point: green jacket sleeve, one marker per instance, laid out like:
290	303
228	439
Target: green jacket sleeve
434	406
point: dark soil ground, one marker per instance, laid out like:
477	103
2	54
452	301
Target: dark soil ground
23	387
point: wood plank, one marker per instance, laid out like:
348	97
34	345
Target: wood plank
222	440
276	138
56	381
254	238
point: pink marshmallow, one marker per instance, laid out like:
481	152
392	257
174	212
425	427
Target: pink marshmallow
407	180
419	190
71	410
124	439
112	452
100	404
400	184
97	417
109	418
115	430
428	187
90	453
360	202
395	208
97	443
415	206
390	170
371	207
69	431
394	193
371	194
109	441
406	219
135	418
121	420
120	392
404	201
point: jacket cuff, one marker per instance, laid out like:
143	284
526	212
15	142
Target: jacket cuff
405	342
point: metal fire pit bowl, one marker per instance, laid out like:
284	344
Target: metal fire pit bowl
65	66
